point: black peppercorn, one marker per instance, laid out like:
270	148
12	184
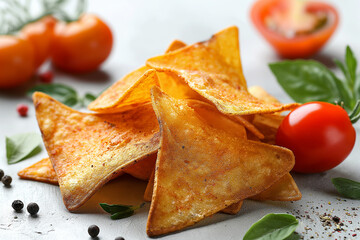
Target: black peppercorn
119	238
17	205
6	180
93	231
32	208
1	173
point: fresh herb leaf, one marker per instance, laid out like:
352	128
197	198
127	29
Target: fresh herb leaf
351	63
347	187
114	208
61	92
118	211
22	146
124	214
64	93
293	236
272	227
88	98
306	81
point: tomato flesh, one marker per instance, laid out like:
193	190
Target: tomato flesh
320	135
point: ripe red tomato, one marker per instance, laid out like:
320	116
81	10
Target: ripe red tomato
40	35
320	135
81	46
16	61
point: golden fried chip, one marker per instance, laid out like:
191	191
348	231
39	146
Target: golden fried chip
283	190
41	171
213	69
260	93
149	188
210	166
134	88
268	124
175	45
142	169
233	208
87	150
130	91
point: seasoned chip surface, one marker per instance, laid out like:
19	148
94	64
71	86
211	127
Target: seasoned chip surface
213	69
130	91
41	171
87	150
210	167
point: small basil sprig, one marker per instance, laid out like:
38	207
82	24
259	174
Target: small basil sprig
63	93
347	187
120	211
22	146
273	226
309	80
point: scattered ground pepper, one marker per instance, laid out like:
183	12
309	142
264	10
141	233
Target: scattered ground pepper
93	231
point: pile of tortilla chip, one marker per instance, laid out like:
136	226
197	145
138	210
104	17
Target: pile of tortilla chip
186	123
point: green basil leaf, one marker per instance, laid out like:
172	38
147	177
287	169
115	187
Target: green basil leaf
88	98
306	80
115	208
293	236
63	93
342	67
347	187
22	146
351	64
272	227
121	215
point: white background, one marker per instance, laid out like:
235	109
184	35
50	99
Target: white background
143	29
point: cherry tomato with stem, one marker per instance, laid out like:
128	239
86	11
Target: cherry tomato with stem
81	46
40	35
320	135
16	61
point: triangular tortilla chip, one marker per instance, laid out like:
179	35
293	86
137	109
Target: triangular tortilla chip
149	188
260	93
213	69
210	166
283	190
233	208
134	88
41	171
268	124
130	91
87	150
175	45
142	169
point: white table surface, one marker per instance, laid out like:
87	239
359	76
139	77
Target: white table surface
144	29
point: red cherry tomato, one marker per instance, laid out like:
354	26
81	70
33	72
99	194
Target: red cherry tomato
81	46
320	135
16	61
40	35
